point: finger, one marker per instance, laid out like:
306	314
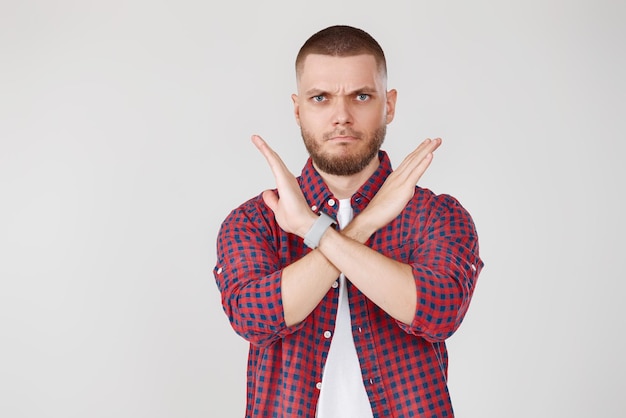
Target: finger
276	164
427	146
265	149
271	199
436	143
421	167
406	169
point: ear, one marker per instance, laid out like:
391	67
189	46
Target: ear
392	96
296	108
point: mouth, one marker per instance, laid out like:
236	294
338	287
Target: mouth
342	136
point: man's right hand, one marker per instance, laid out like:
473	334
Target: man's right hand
289	206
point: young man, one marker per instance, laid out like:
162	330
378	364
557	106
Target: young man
348	279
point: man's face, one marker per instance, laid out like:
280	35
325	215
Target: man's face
343	110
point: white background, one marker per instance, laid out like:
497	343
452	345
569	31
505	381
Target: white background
125	140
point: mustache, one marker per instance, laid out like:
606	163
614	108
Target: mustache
342	132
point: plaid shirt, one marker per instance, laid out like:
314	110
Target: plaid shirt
404	367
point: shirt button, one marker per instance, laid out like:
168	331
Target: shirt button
314	208
331	202
335	284
327	334
220	270
318	385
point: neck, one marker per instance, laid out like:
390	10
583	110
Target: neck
343	187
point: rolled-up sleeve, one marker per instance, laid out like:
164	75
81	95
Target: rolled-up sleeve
446	265
248	274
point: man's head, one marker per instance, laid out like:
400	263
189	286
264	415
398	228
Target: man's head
342	105
342	41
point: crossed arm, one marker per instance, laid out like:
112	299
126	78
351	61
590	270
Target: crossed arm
305	282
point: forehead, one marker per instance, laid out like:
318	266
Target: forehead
326	72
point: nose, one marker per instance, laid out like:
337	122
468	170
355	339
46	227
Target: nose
342	114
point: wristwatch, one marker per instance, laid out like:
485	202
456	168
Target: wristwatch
321	224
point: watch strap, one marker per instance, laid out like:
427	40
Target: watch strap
321	224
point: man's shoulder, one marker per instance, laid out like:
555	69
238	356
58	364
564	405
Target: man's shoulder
249	209
425	195
428	199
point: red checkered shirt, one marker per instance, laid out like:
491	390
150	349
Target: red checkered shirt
404	367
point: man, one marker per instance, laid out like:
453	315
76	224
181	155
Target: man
347	280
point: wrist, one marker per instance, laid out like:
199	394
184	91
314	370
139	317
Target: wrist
360	229
313	236
307	224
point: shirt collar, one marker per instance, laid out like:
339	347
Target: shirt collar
319	197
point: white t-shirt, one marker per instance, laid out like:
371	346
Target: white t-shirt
343	394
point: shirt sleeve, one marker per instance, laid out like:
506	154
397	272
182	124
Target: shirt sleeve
248	274
446	265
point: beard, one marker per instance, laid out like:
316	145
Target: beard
348	164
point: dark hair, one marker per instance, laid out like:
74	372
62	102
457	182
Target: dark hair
342	41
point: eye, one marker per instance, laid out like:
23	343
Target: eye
362	97
318	98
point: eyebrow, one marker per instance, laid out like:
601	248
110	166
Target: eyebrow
320	92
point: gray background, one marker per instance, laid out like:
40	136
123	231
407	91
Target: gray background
125	140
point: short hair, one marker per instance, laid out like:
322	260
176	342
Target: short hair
342	41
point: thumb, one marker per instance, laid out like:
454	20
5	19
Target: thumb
271	199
